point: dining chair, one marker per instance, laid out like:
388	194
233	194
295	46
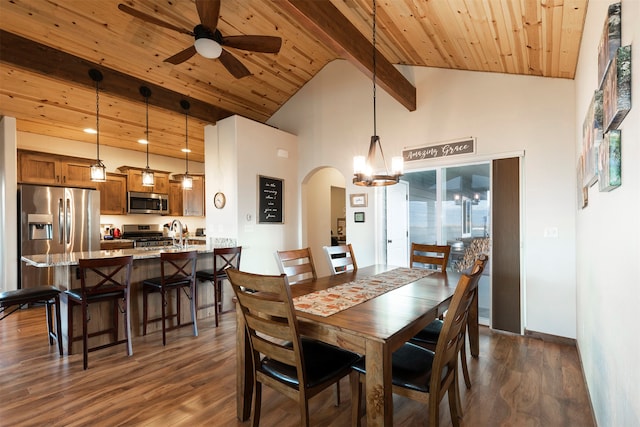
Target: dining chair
297	367
428	337
427	256
48	295
297	264
101	280
341	258
178	273
424	375
223	258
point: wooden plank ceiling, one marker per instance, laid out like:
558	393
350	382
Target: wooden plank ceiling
48	46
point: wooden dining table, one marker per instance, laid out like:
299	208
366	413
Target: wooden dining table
374	328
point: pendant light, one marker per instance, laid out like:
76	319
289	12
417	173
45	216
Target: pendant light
147	174
98	170
187	181
363	168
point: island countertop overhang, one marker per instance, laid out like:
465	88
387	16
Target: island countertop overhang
70	259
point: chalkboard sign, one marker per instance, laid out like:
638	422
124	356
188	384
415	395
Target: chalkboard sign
270	200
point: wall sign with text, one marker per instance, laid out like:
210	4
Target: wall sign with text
448	149
270	200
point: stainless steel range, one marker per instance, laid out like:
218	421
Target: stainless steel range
146	235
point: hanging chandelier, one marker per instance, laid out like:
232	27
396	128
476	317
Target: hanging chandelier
363	167
147	174
187	180
98	169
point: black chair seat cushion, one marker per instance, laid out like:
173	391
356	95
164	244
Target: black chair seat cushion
411	367
27	295
156	282
322	361
208	275
430	333
77	294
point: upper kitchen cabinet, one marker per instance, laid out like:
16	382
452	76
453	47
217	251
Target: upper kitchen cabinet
113	194
192	201
175	198
52	169
134	180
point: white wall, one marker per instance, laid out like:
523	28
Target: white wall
332	116
608	244
8	205
249	149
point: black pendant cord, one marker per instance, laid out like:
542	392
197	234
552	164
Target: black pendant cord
186	141
375	140
97	124
374	68
147	128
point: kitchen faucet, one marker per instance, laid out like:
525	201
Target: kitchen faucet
181	242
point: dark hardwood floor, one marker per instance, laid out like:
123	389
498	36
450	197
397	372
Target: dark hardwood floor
517	381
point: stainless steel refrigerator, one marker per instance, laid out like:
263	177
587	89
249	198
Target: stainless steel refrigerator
55	220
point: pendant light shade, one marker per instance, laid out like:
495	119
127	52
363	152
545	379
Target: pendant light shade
187	181
147	174
363	167
98	169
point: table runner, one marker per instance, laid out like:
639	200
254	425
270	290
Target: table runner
333	300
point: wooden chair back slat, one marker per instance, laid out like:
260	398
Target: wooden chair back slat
425	255
341	258
297	264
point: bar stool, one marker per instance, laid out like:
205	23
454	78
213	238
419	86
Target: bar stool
223	258
102	280
177	271
49	295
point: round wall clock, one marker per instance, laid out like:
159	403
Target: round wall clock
219	200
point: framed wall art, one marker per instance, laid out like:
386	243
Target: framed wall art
358	217
609	161
358	200
582	191
610	40
616	89
591	139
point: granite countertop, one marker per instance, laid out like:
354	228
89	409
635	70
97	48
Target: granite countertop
58	260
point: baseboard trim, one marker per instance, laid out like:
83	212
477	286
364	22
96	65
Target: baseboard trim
586	384
550	338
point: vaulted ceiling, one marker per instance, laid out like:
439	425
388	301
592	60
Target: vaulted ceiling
48	46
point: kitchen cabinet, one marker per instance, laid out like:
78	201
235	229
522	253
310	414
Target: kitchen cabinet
113	194
53	169
134	180
192	201
175	198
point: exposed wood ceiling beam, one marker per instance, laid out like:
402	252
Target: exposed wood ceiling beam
333	28
42	59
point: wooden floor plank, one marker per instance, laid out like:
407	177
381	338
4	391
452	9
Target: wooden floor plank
517	381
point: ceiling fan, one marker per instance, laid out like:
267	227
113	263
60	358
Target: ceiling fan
209	42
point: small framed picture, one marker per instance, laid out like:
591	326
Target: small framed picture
359	200
358	216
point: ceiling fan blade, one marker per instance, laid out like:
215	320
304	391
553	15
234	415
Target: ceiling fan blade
152	19
233	65
180	57
208	11
266	44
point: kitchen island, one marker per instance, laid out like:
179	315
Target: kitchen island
146	264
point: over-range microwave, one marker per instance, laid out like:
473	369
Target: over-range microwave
147	203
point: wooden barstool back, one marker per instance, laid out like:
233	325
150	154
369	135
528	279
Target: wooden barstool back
223	258
102	279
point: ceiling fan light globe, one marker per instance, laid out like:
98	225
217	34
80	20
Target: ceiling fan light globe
208	48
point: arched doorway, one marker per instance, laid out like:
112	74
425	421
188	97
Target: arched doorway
319	215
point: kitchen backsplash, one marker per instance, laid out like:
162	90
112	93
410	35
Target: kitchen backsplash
117	221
